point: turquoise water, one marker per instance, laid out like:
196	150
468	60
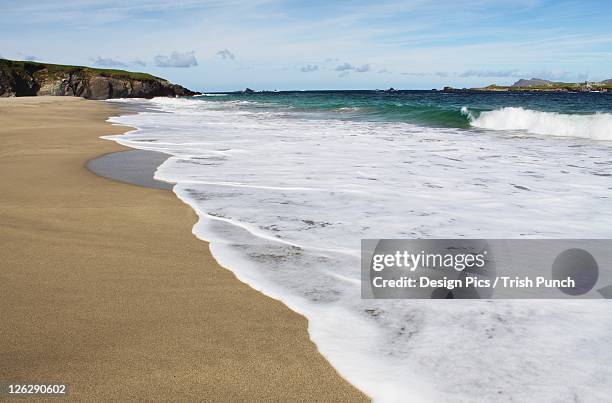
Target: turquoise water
437	109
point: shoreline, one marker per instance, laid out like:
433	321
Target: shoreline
121	300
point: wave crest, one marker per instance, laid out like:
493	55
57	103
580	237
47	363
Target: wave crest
596	126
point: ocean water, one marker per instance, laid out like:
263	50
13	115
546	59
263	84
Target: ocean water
287	184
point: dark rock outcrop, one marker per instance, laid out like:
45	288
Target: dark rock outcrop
29	78
451	89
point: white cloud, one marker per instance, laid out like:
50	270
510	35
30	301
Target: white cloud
177	59
344	67
226	54
107	62
309	68
491	73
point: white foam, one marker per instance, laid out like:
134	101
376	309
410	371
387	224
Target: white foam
285	199
596	126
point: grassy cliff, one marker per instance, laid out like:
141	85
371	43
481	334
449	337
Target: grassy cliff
25	78
55	69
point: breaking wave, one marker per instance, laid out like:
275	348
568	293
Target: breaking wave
595	126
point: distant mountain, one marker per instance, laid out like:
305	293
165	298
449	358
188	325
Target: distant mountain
539	82
534	82
540	85
23	78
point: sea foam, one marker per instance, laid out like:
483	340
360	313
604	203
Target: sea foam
596	126
284	200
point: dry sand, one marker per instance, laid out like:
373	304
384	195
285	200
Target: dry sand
104	287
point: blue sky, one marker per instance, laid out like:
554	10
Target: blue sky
268	44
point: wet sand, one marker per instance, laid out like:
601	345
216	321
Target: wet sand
135	166
104	287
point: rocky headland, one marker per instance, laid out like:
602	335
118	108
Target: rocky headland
541	85
23	78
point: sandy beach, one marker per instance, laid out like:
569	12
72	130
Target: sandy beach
105	288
